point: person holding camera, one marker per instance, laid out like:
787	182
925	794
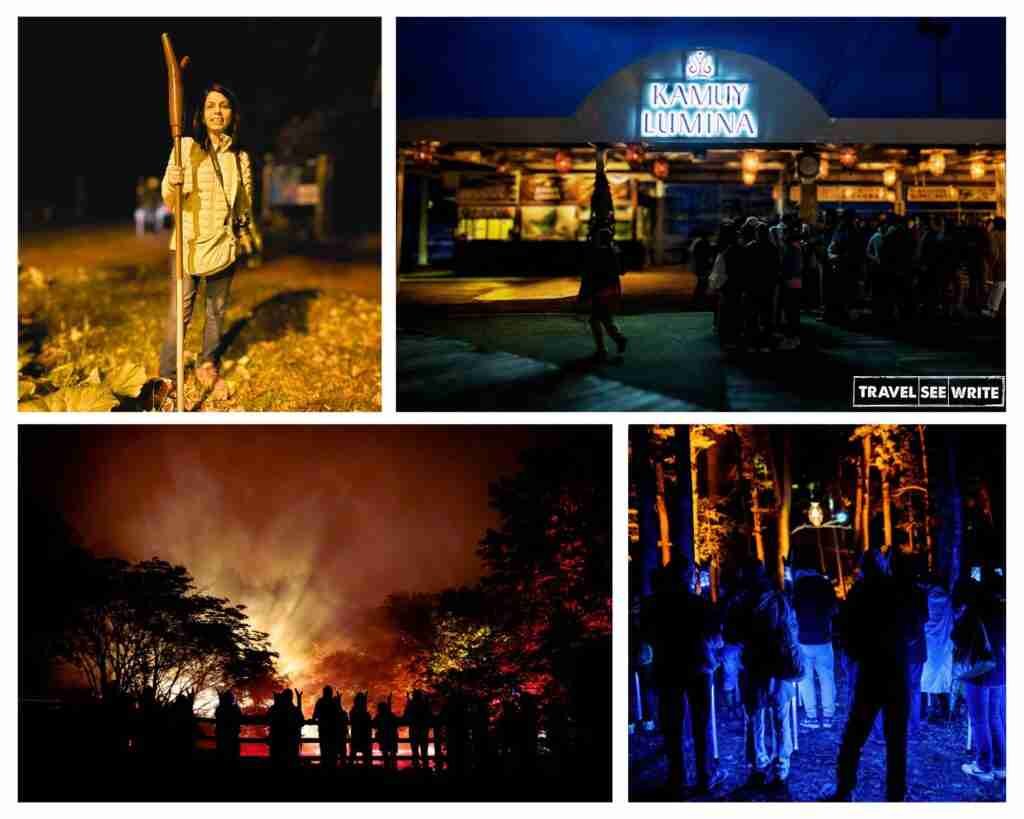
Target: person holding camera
216	180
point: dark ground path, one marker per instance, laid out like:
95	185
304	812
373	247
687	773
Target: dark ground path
934	756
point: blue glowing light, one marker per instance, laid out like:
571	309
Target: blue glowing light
700	108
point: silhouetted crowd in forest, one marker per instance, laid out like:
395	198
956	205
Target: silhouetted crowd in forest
908	645
890	268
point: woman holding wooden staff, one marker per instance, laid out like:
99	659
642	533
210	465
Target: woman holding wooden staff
215	178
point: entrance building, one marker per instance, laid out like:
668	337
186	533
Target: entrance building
691	137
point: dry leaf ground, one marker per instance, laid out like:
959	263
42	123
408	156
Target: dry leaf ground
303	333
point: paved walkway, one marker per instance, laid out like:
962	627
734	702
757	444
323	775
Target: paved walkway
447	374
451	295
520	343
466	362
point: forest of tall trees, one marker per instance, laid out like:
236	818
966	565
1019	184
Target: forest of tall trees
708	496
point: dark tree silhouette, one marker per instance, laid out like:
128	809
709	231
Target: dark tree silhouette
134	625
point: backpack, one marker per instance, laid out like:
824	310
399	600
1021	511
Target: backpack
779	649
975	656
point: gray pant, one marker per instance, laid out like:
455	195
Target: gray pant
218	288
767	705
819	661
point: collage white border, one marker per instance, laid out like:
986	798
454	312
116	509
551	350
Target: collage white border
389	10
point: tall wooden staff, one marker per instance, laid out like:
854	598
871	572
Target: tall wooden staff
176	110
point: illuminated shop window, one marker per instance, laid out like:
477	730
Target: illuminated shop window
485	228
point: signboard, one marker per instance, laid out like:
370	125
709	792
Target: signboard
946	193
704	106
549	222
486	189
847	193
621	191
548	189
570	189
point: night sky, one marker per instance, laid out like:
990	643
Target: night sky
102	110
854	67
310	527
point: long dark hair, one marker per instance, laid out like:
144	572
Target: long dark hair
199	131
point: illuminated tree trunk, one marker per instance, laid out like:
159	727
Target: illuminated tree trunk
858	514
783	490
956	510
867	492
927	498
886	507
686	531
839	564
649	557
949	508
714	478
664	540
694	500
749	473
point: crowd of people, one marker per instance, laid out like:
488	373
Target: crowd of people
888	268
462	735
908	646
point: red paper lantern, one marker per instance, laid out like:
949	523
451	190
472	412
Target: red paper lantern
634	154
423	153
660	168
563	161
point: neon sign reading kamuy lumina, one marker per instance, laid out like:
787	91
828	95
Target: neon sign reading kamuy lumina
700	108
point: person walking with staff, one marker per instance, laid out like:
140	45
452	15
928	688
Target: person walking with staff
215	180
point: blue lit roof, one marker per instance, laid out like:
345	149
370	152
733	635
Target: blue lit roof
856	68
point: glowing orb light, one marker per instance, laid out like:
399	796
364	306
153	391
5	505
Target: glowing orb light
815	514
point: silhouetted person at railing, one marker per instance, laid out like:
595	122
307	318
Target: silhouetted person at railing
113	723
386	726
528	731
228	728
152	727
362	729
285	720
325	715
510	729
417	716
453	718
182	727
556	734
880	619
480	727
342	732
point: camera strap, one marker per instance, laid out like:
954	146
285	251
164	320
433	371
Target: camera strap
220	179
